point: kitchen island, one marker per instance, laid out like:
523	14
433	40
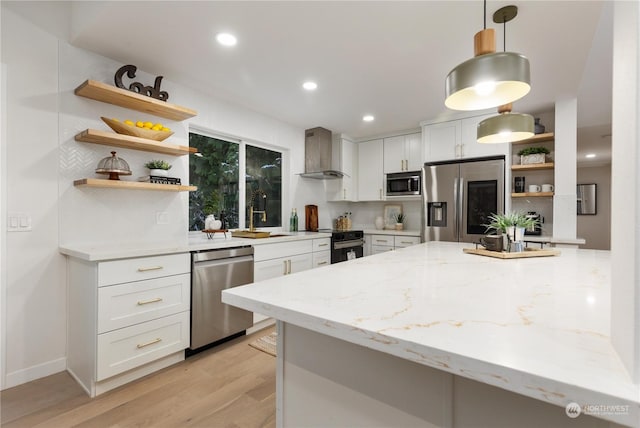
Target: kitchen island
430	336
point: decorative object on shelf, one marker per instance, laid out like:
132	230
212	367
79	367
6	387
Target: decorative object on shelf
211	232
158	179
489	79
538	127
379	223
492	242
390	213
534	188
518	186
533	155
150	91
547	187
158	168
114	166
149	132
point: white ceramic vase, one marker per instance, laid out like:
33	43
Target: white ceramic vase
379	223
159	172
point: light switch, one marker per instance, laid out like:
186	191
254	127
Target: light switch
19	222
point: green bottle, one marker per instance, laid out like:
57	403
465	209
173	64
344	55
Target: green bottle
295	220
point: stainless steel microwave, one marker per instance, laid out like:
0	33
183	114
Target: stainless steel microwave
403	184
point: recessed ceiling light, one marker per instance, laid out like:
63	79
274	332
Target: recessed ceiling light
368	118
310	86
226	39
590	155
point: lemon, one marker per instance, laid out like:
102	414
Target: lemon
165	129
148	125
140	124
156	128
128	122
158	125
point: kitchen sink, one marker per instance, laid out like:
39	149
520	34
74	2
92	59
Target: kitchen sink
255	235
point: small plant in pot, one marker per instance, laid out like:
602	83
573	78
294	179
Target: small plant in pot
511	226
400	218
533	155
158	167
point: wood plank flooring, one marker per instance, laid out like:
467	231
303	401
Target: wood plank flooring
231	385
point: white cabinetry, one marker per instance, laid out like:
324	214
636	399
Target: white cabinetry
403	153
457	139
370	171
284	258
344	157
127	318
384	243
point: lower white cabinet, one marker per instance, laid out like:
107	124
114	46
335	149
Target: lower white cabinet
285	258
384	243
127	318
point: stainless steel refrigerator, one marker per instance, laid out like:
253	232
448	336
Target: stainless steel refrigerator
459	196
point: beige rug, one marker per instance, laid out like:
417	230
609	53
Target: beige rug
266	343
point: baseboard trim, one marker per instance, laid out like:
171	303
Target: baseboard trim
35	372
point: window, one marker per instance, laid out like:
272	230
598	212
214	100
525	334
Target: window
217	174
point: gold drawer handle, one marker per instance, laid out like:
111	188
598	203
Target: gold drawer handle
406	242
145	269
381	240
146	302
144	345
322	245
322	263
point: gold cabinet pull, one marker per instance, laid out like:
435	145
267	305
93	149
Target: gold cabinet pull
380	193
285	267
144	345
146	302
381	240
322	245
145	269
322	263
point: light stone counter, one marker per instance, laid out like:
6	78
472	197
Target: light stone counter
536	326
391	232
197	242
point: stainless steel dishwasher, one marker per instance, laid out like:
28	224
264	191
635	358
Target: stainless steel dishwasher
211	272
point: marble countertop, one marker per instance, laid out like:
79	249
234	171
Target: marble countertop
195	242
392	232
534	326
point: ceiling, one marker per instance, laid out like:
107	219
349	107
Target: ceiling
385	58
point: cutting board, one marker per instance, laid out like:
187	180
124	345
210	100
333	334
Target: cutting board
528	252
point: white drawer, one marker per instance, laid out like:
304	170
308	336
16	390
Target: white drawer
382	240
123	305
321	258
130	347
137	269
322	244
377	249
285	249
406	241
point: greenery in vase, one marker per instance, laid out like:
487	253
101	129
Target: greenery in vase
400	218
500	222
533	151
158	164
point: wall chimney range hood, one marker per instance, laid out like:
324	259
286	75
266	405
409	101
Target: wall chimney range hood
318	155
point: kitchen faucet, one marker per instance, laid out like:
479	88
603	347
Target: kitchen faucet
252	211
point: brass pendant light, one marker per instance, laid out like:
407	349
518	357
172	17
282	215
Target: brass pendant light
507	127
489	79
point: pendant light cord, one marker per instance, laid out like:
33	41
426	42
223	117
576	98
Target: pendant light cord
504	35
485	14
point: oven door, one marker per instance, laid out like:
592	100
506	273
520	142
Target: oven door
341	251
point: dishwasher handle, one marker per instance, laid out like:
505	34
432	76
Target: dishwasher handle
200	256
217	262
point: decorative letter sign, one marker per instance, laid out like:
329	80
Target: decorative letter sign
150	91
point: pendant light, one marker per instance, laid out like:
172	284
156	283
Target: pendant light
489	79
507	127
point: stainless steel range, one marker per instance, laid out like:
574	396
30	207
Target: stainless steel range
346	245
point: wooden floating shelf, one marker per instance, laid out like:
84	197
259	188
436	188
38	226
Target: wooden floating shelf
533	166
538	138
137	185
531	194
124	98
129	142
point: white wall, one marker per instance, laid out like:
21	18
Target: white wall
596	229
43	116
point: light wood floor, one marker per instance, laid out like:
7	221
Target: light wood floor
231	385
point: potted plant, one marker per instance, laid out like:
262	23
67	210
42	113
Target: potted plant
512	226
533	155
400	217
158	167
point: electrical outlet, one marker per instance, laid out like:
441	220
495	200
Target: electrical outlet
162	217
18	222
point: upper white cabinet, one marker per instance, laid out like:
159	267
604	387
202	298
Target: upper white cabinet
345	156
457	139
442	140
370	171
403	153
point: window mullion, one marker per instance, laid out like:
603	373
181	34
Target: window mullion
242	185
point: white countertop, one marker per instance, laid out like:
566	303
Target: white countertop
391	232
534	326
196	242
